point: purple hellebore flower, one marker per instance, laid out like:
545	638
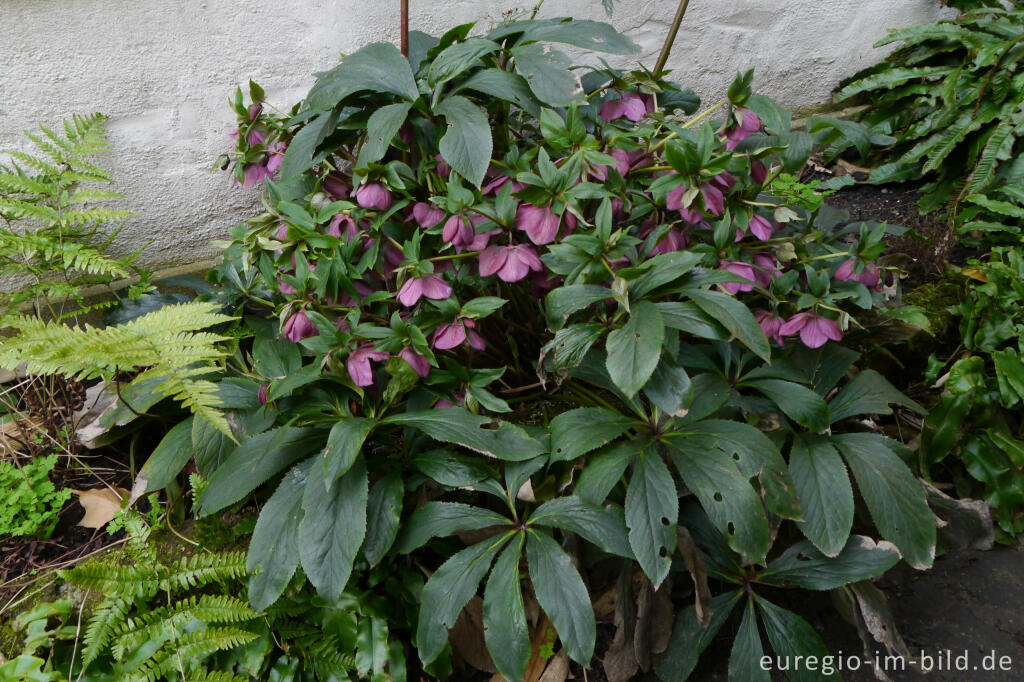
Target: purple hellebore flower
499	181
431	286
539	223
343	220
419	363
632	105
374	195
336	186
276	158
253	174
455	333
299	327
815	330
762	228
443	169
749	124
284	287
358	363
458	231
426	215
674	240
770	325
262	393
868	276
714	200
674	202
737	268
758	172
511	263
765	269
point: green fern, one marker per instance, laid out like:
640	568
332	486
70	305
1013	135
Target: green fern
166	341
52	225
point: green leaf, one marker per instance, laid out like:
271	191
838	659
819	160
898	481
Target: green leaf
377	67
791	636
669	387
747	650
664	269
298	158
447	591
457	425
564	301
332	529
562	595
590	35
274	547
254	462
726	495
505	633
505	85
382	513
380	130
799	403
804	566
456	59
604	469
579	431
371	646
603	526
652	511
343	446
447	468
634	349
687	317
169	458
893	495
868	393
823	487
548	73
438	519
734	316
276	358
689	638
755	455
467	145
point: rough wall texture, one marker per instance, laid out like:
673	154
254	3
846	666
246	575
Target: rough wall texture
163	71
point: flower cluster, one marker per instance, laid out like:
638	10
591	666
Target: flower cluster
584	198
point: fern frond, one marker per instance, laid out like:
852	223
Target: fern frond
202	569
212	676
187	652
95	216
165	622
70	255
101	626
166	340
129	581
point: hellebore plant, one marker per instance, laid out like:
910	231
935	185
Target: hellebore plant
478	230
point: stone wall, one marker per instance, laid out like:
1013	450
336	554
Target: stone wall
163	72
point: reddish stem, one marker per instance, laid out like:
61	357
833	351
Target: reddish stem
405	28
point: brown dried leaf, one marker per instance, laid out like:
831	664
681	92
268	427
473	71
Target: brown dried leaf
694	564
467	637
557	669
100	505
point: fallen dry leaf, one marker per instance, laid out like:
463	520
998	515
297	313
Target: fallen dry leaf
557	669
100	505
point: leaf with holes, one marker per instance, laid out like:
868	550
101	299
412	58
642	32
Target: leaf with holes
652	510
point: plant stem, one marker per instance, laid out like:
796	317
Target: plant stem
671	37
536	8
405	28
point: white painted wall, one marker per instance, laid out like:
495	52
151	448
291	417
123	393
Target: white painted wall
164	70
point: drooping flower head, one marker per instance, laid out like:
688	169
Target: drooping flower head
455	333
511	263
631	105
815	331
299	327
419	363
744	270
749	124
429	286
374	195
539	223
358	363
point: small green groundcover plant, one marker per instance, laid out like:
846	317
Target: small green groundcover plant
515	325
31	504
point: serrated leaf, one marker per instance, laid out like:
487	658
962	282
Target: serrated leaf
562	595
652	511
579	431
634	349
602	526
505	633
467	145
383	509
274	547
438	519
804	566
457	425
734	316
381	129
823	488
